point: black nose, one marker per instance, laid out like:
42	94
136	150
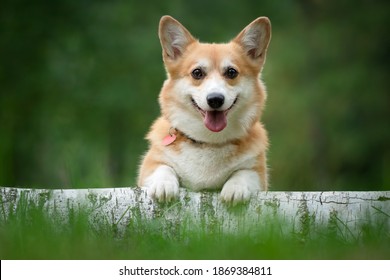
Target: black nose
215	100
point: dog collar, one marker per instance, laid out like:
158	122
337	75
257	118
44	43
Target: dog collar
172	136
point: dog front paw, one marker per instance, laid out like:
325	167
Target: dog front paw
240	187
163	184
163	190
234	193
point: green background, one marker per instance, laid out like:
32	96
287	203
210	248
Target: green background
79	82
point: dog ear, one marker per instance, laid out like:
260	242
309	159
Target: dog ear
174	37
255	38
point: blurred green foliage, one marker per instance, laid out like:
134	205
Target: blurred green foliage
79	82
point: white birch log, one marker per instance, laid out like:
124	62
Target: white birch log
297	212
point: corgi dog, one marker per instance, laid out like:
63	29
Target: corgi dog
209	135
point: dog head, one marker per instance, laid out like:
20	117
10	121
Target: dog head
213	92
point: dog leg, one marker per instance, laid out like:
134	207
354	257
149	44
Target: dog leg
241	186
162	184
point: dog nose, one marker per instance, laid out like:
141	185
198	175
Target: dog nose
215	100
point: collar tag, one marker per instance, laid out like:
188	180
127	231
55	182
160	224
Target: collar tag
170	138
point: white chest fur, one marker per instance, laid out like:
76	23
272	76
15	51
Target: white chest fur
207	167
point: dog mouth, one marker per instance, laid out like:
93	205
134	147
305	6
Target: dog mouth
214	120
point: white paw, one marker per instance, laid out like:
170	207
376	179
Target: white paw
163	184
240	187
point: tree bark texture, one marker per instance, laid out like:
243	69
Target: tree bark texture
297	212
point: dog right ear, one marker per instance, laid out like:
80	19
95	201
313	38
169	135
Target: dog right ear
174	37
255	38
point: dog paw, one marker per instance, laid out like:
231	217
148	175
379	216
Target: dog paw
163	184
163	191
233	194
240	187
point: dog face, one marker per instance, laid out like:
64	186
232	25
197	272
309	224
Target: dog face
213	92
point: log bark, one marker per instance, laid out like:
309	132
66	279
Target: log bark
298	212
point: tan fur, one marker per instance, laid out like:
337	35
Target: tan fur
199	158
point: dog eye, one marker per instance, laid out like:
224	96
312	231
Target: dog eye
231	73
197	74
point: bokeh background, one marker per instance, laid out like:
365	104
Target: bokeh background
79	82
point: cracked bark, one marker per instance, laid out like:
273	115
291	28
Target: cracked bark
293	210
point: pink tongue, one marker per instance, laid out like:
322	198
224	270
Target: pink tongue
215	120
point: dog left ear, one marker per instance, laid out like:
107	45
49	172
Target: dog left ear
174	37
255	38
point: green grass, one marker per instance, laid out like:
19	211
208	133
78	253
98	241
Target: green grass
27	232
